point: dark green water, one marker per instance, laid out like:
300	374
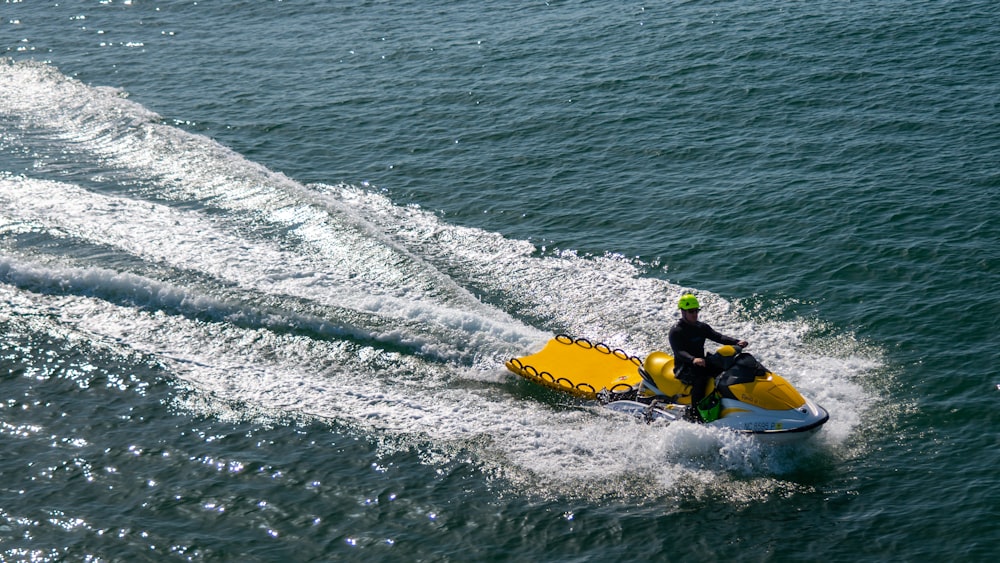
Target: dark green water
261	263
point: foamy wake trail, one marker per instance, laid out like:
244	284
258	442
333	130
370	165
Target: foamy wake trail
375	304
577	451
333	302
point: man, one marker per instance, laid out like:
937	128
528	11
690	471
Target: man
687	340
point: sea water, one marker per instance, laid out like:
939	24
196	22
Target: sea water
261	264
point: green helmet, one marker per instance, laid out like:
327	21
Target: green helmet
688	302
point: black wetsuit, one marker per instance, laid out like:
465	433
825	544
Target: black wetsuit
687	340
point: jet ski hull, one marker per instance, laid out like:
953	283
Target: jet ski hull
787	427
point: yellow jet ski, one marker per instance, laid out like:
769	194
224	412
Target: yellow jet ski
745	397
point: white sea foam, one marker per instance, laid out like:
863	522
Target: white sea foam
333	302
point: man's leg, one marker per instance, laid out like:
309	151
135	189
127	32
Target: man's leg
699	379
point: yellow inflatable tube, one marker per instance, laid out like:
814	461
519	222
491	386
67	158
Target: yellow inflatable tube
579	367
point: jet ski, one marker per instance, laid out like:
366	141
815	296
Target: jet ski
745	397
